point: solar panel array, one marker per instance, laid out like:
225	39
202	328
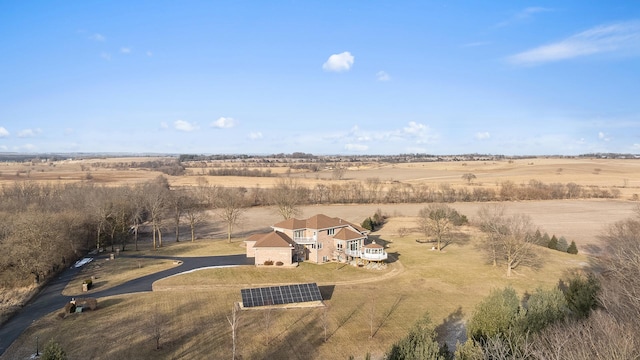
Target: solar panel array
280	295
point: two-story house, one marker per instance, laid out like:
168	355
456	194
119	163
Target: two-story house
317	239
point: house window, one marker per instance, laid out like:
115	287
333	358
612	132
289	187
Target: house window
331	232
340	245
325	259
298	233
319	245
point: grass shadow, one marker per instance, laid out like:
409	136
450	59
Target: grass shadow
109	302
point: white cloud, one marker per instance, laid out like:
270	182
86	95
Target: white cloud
149	53
106	56
622	37
164	125
26	148
4	147
356	147
3	132
636	147
98	37
602	136
255	135
382	76
339	62
125	50
68	131
185	125
224	123
482	135
29	132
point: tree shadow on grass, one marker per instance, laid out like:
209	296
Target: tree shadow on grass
452	329
109	302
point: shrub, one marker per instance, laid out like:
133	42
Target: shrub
553	243
70	308
268	262
279	263
53	351
420	343
368	224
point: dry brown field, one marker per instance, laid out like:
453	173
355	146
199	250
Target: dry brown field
447	285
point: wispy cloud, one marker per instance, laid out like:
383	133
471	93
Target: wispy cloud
356	147
255	135
3	132
339	62
149	53
29	132
185	126
382	76
523	15
98	37
106	56
356	139
482	135
125	50
164	125
224	123
621	37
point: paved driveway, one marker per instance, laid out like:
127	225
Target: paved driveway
51	298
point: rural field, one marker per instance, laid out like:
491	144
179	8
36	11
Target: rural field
366	310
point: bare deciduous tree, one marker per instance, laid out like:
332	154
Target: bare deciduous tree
509	238
234	321
287	195
469	177
436	220
230	203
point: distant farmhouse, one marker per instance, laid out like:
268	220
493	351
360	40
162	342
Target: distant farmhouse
318	239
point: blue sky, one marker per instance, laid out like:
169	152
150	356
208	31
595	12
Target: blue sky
324	77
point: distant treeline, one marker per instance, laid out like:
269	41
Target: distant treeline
166	166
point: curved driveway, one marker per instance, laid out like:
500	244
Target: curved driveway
51	298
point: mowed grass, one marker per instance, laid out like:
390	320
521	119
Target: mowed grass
109	273
194	307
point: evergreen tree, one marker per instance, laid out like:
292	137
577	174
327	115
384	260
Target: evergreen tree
581	294
368	224
53	351
494	315
419	344
572	249
562	244
553	243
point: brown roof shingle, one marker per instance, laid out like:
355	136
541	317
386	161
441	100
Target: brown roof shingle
274	239
347	234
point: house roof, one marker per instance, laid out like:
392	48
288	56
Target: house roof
373	245
319	221
274	239
347	234
291	224
255	237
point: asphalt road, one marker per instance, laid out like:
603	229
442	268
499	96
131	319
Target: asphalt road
51	299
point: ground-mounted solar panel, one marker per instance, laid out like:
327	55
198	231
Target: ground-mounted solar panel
280	295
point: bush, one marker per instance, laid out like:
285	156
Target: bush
70	308
53	351
368	224
420	343
268	262
279	263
